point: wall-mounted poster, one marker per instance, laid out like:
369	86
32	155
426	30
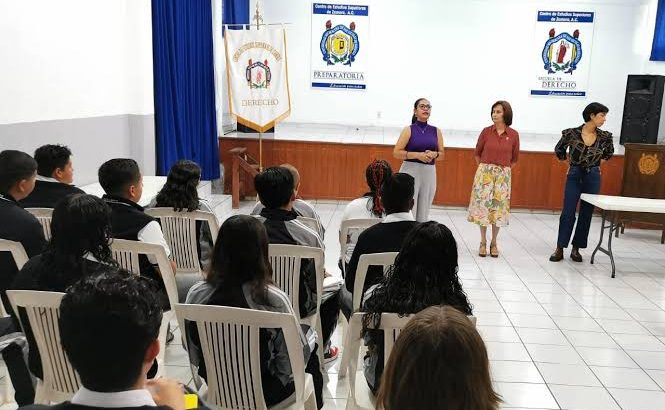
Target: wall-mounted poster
340	34
562	53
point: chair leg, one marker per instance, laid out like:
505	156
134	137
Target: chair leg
344	364
321	346
9	389
310	402
40	393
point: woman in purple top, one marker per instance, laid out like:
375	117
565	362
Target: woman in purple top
420	145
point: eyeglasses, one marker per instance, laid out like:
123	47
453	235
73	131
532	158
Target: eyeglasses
424	106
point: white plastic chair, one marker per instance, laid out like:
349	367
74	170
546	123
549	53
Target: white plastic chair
360	396
60	380
44	216
20	258
347	228
180	232
126	253
285	261
384	259
230	345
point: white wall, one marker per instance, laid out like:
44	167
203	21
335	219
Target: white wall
74	58
463	55
78	72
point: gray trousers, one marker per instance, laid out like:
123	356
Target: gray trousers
424	176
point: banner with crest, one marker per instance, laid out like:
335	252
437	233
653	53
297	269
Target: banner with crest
257	76
340	36
562	53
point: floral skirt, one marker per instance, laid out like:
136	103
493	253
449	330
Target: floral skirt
490	196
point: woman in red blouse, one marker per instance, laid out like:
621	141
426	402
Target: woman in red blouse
497	150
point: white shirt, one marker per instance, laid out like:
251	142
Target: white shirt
128	398
46	179
398	217
152	233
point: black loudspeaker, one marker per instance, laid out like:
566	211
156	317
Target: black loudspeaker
642	110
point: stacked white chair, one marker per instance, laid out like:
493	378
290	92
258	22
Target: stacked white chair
44	216
286	261
60	381
229	340
127	253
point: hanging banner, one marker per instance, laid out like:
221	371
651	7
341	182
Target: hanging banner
562	53
257	76
340	35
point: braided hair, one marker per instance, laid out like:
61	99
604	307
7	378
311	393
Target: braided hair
377	172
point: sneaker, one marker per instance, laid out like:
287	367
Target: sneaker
331	354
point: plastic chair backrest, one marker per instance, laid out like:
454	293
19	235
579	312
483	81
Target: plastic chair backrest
180	232
384	259
126	253
286	261
44	216
349	226
229	340
20	258
60	381
391	324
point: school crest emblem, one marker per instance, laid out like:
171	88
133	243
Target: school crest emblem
648	164
339	44
562	52
258	74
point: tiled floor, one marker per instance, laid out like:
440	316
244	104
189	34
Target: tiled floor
559	335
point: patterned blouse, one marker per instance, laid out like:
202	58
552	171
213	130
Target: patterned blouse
579	153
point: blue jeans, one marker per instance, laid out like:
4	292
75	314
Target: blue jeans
579	180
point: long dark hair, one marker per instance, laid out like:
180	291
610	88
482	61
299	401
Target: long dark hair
81	225
240	256
375	173
415	106
424	274
439	361
179	192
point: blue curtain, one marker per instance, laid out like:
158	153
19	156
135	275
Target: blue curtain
184	82
658	45
235	12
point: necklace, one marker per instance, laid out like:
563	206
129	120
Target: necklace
421	129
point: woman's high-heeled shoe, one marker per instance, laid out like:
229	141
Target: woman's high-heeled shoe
482	252
494	251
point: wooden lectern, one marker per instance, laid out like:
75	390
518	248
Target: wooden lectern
643	177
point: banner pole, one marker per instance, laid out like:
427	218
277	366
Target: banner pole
260	152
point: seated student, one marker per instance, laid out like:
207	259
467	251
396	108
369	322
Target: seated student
275	189
301	207
424	274
109	326
367	206
122	181
240	276
387	236
78	248
55	174
17	179
439	361
180	192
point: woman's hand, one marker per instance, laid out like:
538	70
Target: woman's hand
427	156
